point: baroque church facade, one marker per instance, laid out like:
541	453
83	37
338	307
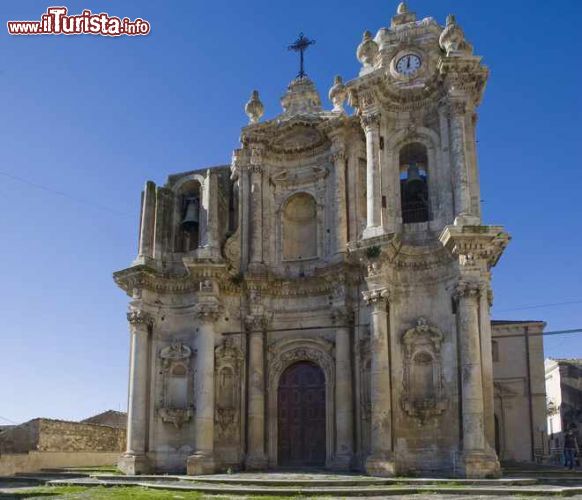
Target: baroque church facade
324	299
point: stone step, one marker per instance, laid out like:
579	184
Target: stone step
240	480
341	491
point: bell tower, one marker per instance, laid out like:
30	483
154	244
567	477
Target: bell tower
428	255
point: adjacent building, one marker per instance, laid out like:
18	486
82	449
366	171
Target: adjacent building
564	399
323	300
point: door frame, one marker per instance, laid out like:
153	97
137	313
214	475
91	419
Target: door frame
282	355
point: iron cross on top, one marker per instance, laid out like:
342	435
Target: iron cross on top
301	45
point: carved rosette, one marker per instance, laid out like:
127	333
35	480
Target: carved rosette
423	395
377	297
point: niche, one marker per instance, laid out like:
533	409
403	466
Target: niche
176	406
300	227
228	375
423	394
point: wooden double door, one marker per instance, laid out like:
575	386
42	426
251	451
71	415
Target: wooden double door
301	416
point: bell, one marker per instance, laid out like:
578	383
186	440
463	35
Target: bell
191	216
414	182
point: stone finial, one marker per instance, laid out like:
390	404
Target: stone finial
403	15
367	50
452	39
338	94
254	108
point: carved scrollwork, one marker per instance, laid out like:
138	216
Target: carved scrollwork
423	395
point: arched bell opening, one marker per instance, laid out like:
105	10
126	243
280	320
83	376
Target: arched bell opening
188	231
414	195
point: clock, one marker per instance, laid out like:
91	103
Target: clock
408	64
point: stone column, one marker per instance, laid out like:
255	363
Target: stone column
339	162
371	124
380	462
462	188
134	460
344	418
477	459
148	215
256	458
256	210
202	461
487	366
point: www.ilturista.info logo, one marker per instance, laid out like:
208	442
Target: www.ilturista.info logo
56	22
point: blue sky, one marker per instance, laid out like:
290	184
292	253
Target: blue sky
87	120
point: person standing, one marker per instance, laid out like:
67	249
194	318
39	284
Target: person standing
571	448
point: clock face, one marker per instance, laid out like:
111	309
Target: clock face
408	64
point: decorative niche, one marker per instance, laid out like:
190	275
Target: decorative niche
177	405
228	376
423	396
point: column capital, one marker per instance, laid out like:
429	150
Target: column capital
257	322
377	296
469	288
338	155
207	311
255	169
342	316
370	120
138	317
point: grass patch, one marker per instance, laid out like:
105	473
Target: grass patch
115	493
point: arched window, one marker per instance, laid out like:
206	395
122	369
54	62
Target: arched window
188	233
413	183
300	227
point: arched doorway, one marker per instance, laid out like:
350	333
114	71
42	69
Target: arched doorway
301	416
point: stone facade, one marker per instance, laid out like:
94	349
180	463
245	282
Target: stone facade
519	390
352	243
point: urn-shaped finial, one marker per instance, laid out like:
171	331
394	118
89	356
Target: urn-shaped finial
367	50
338	94
452	39
402	8
254	108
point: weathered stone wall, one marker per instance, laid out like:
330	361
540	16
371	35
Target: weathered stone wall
43	434
56	435
11	464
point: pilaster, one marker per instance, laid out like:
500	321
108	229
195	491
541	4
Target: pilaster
205	313
381	460
134	460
